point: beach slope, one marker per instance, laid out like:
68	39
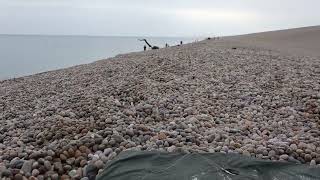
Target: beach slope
304	41
256	95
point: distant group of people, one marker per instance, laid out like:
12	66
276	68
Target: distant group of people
214	38
167	45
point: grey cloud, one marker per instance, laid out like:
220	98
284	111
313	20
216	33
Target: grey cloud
154	18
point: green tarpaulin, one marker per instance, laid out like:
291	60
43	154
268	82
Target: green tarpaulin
142	165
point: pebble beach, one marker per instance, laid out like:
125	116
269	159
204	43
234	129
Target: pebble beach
211	96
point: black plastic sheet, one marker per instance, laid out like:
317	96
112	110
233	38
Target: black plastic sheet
152	165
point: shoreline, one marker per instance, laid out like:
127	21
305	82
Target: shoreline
27	55
71	66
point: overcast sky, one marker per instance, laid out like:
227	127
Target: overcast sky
154	17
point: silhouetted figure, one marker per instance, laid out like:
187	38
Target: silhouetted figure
144	47
167	45
181	42
152	47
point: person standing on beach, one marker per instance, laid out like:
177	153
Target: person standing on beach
181	42
144	47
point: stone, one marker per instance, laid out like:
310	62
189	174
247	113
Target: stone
73	173
33	178
265	153
70	161
58	167
117	102
18	177
3	171
302	145
108	121
171	149
100	171
65	177
35	165
50	153
99	164
35	172
16	171
83	163
272	153
77	154
48	174
91	171
308	151
293	147
83	149
204	117
234	130
259	150
284	157
308	157
129	112
312	147
79	173
112	155
117	138
71	152
112	142
27	167
143	127
40	177
66	153
166	144
313	162
159	142
36	155
63	157
246	153
162	136
55	176
67	168
211	138
41	161
16	163
107	151
189	110
130	132
47	165
48	158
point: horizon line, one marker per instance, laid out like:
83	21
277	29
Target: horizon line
78	35
157	36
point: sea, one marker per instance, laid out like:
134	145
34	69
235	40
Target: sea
22	55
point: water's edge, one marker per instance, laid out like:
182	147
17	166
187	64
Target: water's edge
23	55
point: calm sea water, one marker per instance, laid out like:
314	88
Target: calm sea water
22	55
